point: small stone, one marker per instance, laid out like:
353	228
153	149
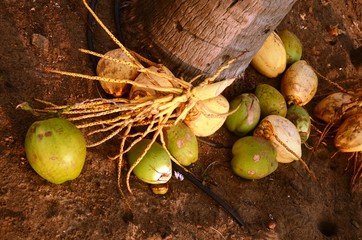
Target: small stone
272	225
40	42
355	224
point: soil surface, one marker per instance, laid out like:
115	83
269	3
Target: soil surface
288	204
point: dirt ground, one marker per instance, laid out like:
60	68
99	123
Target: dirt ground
42	34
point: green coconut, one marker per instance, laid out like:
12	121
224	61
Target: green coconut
155	167
271	101
292	45
182	144
247	115
300	118
253	157
55	149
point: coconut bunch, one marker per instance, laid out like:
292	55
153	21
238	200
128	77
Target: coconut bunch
273	116
278	131
279	115
156	115
340	111
341	114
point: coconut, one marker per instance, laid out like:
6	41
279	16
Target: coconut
207	116
149	79
330	108
246	114
300	118
253	157
284	136
112	69
55	149
299	83
182	143
155	167
159	189
293	46
349	134
271	59
271	100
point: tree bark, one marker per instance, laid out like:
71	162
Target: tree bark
197	36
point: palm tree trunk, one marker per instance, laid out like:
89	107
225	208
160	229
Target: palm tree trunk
197	36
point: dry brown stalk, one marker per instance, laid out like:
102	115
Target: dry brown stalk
331	127
124	117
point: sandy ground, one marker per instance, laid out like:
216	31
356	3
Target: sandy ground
46	34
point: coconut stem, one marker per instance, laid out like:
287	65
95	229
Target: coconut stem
299	158
113	80
356	181
110	34
26	107
118	116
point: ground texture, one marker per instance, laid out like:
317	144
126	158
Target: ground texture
47	33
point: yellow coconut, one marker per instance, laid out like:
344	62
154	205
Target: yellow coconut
112	69
207	116
284	136
330	108
149	79
349	134
299	83
271	59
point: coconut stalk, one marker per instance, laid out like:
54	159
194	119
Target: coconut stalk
345	104
122	117
134	119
